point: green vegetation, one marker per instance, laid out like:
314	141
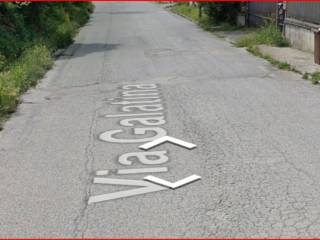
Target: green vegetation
23	73
269	35
53	24
281	65
208	18
222	12
184	9
192	13
313	77
30	32
221	16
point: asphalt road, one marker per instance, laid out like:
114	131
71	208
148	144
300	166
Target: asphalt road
256	129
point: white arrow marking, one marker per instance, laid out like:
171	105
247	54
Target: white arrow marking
164	139
171	185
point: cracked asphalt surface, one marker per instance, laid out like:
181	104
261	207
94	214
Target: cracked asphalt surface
256	129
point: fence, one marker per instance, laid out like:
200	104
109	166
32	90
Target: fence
259	12
304	11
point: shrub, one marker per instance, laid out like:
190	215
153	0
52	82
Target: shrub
8	98
53	23
202	17
80	12
35	61
23	74
29	32
315	77
2	61
269	35
223	11
64	34
192	12
187	11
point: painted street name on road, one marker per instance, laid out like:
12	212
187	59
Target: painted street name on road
140	104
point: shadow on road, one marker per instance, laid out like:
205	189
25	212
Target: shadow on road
82	49
124	12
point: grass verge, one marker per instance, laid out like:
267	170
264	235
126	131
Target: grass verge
192	13
268	35
21	75
313	77
281	65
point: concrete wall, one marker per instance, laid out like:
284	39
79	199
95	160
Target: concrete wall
302	20
300	34
300	38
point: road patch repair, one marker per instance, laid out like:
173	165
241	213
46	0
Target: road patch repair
141	104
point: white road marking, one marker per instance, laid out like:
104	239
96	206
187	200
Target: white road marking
171	185
143	188
142	170
164	139
131	115
102	172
